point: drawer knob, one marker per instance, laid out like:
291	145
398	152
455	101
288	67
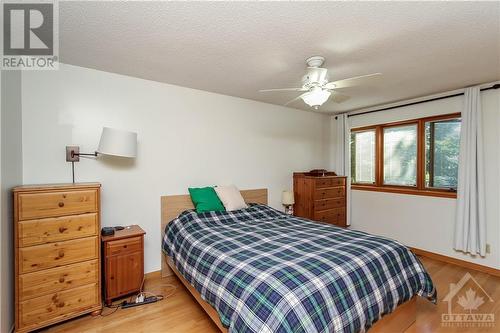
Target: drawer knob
62	229
125	246
61	279
60	304
61	204
61	254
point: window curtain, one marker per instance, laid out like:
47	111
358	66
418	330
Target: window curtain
470	224
342	161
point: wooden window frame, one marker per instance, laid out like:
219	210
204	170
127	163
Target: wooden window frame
420	188
368	129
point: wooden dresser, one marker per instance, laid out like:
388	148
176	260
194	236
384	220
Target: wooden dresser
57	253
320	198
123	262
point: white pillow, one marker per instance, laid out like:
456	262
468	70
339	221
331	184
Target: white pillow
231	197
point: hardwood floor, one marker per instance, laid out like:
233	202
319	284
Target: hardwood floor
180	312
442	274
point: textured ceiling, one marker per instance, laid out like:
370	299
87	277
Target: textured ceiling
237	48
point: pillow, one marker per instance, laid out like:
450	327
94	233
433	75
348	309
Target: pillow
231	197
205	199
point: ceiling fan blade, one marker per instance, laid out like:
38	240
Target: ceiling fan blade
339	98
317	74
293	100
353	81
282	89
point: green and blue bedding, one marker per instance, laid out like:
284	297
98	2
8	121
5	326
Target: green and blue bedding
265	271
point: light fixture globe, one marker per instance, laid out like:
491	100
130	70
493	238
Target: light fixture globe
316	97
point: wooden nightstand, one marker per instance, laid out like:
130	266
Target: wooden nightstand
123	255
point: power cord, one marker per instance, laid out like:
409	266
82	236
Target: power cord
142	294
112	306
140	298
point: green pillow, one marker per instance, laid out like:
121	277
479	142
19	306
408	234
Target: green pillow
205	199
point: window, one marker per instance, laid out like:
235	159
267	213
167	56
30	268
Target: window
416	157
442	144
363	157
400	155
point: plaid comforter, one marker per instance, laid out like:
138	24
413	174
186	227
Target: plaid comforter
264	271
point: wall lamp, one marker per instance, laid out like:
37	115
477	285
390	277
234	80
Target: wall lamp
113	142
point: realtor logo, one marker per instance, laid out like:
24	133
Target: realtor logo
469	305
29	35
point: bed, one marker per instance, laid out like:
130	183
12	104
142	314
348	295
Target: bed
259	270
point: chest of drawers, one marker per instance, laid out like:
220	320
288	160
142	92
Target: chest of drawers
57	253
320	198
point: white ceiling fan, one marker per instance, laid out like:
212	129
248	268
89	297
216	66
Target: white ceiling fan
317	90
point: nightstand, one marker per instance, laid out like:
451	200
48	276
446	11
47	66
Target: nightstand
123	263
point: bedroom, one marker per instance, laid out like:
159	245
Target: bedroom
185	78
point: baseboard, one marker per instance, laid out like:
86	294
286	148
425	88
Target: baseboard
152	275
455	261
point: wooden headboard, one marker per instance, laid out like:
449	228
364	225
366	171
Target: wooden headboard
173	205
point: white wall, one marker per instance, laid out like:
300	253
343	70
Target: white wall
11	175
428	222
186	138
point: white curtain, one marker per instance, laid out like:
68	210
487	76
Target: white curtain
470	224
342	157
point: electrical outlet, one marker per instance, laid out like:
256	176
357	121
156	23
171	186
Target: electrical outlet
488	248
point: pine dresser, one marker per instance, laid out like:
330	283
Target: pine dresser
57	253
320	198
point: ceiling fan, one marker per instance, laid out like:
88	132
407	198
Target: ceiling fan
317	90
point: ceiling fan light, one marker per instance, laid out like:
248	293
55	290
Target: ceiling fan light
316	98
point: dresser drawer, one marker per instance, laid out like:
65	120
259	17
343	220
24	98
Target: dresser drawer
328	193
58	305
329	182
50	255
331	216
329	204
58	203
123	246
57	279
32	232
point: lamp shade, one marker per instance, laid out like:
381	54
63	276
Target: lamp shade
287	198
116	142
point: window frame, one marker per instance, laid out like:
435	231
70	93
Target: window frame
368	129
420	188
432	152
